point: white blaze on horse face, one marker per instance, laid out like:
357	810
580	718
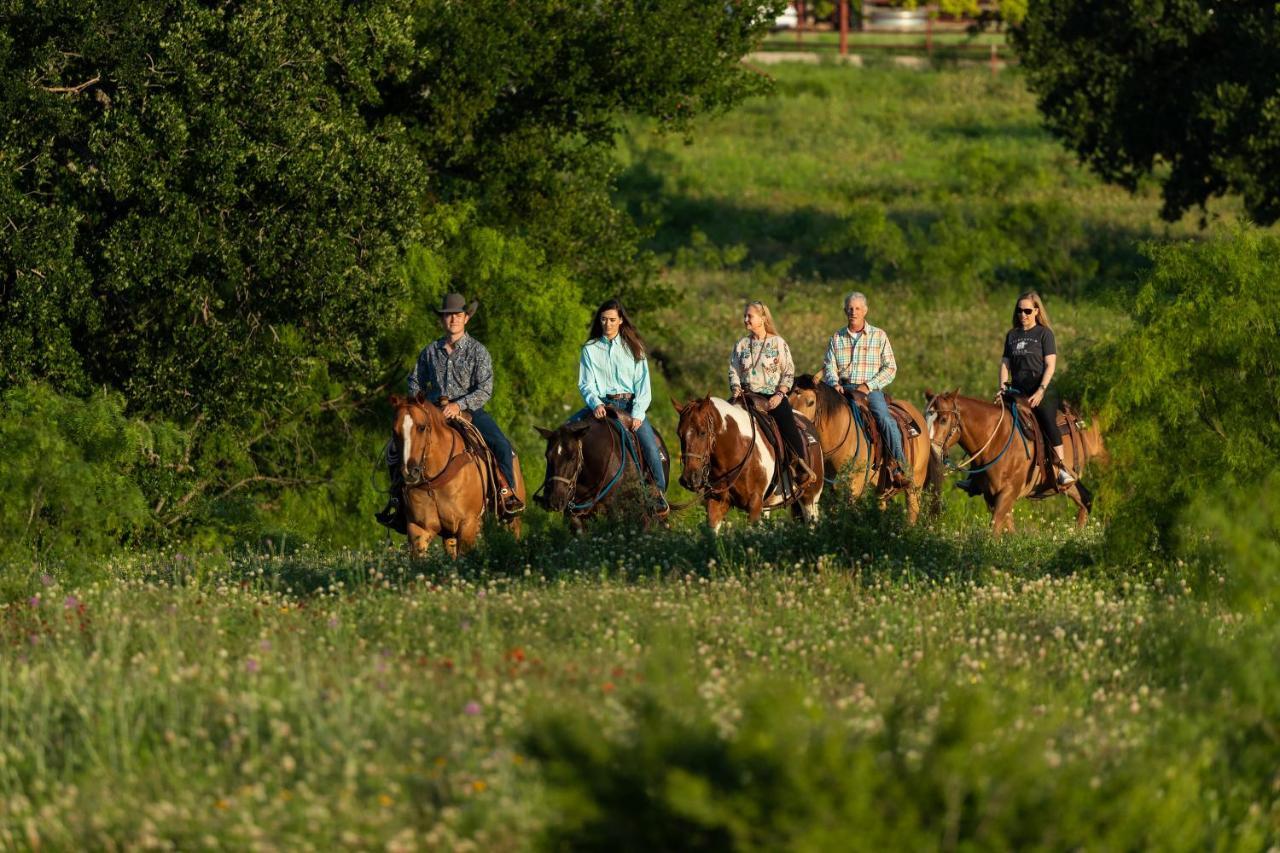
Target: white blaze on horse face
406	433
930	418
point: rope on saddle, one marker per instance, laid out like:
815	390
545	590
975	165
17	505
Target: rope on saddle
1018	429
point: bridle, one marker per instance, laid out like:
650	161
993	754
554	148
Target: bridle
727	479
957	426
429	479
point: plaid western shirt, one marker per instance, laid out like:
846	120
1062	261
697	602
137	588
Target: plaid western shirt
862	358
465	376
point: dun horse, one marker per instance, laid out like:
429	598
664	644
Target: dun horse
728	463
448	480
1006	457
847	444
590	465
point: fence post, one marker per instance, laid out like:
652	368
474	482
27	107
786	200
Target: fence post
799	4
994	66
844	27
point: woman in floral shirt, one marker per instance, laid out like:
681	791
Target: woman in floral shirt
761	364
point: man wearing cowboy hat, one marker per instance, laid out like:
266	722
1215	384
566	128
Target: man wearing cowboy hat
457	368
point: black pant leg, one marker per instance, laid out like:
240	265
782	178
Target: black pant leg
1047	416
785	418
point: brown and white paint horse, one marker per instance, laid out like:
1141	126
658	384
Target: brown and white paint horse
985	432
444	483
845	445
728	464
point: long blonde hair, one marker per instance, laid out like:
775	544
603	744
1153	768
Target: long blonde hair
769	328
1042	316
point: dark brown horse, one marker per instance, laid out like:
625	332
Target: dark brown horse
447	480
846	443
728	463
592	463
1011	468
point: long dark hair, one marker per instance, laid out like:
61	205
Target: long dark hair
630	336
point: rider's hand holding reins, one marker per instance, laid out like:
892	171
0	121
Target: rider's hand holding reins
775	400
599	411
451	410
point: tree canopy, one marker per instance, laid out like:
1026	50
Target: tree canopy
1186	89
220	210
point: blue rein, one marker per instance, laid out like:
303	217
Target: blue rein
1017	428
628	452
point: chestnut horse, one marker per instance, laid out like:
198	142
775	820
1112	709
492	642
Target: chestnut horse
446	483
1007	461
727	463
845	442
589	464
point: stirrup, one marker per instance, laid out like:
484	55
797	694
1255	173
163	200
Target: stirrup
1065	477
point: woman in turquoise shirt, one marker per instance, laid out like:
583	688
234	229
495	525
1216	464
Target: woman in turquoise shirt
614	371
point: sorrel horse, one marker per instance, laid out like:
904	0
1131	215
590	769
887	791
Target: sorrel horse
592	466
728	463
447	481
846	443
1011	468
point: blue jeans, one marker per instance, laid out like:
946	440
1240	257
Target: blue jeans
498	443
648	441
888	426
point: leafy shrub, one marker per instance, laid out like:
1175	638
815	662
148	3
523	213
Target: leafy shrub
791	776
87	474
1189	396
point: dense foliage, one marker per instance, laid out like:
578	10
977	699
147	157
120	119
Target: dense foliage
218	210
1137	86
1191	393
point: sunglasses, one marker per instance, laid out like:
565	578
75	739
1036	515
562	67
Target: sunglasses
1026	310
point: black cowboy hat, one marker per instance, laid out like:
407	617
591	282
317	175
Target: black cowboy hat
455	303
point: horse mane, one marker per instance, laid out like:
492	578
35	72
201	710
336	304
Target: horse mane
829	400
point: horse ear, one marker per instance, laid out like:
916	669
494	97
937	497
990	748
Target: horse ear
396	401
679	408
955	391
578	427
419	398
928	394
545	433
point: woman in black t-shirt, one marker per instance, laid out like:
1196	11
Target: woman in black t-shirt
1030	357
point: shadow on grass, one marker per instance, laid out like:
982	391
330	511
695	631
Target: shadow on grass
968	241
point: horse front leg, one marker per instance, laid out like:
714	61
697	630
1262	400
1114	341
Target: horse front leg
1002	512
913	505
717	508
468	533
419	537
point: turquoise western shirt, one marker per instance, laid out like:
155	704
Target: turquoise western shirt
607	367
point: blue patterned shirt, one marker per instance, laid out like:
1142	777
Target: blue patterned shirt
608	367
465	376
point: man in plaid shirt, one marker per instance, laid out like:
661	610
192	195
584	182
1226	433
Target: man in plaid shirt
859	358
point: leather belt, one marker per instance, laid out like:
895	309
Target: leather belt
623	397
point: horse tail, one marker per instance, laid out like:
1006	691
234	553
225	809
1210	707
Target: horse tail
933	485
1093	444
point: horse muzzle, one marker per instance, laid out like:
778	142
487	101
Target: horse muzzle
412	474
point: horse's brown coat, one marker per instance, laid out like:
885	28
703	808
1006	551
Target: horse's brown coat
986	435
722	464
844	445
445	484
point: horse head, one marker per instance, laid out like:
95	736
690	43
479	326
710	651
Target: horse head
942	420
414	427
565	459
698	428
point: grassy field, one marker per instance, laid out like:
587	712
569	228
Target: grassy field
859	684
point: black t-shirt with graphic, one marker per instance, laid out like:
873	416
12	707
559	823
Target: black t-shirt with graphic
1026	349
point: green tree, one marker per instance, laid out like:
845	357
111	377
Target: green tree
214	209
1139	85
1190	394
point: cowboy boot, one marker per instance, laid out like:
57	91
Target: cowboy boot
393	514
897	477
1064	475
802	474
